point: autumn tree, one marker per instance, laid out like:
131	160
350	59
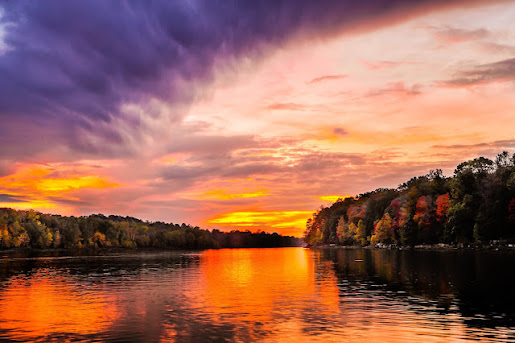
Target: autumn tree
361	233
382	231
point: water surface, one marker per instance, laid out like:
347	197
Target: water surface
285	294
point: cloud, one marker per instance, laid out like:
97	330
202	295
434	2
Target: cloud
71	66
378	65
495	145
497	48
10	198
339	131
328	78
485	73
3	46
456	35
274	159
465	151
46	186
263	220
286	106
397	88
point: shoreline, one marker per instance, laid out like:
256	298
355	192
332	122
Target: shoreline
111	250
423	247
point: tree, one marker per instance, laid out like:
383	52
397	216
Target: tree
361	233
382	231
5	237
442	207
57	239
99	239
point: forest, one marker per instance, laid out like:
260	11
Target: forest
34	230
474	207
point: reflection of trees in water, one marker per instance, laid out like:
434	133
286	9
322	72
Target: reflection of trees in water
253	294
103	264
140	303
475	284
194	297
56	306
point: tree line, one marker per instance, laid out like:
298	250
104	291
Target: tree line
474	206
31	229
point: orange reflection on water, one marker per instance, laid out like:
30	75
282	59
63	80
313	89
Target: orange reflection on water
250	285
45	306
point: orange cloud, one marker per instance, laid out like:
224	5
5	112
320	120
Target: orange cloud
43	186
221	194
285	222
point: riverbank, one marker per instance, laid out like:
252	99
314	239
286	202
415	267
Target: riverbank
29	252
494	246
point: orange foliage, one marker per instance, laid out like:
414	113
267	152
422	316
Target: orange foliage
442	206
422	209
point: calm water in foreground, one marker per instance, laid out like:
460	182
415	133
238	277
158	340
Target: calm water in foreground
288	294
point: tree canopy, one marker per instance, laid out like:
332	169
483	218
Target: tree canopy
474	206
31	229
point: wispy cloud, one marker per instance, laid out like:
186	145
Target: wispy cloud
458	35
286	106
493	47
494	145
378	65
397	88
9	198
328	78
485	73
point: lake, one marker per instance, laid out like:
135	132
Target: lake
272	295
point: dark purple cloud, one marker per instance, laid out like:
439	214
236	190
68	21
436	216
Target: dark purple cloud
71	64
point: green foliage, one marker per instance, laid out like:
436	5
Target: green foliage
30	229
476	205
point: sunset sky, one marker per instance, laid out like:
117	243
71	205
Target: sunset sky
244	114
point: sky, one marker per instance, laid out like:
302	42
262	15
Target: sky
244	114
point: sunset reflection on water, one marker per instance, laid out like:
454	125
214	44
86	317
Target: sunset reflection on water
264	290
48	304
285	294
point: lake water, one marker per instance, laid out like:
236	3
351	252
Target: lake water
274	295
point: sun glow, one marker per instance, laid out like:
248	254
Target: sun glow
287	222
221	194
333	198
